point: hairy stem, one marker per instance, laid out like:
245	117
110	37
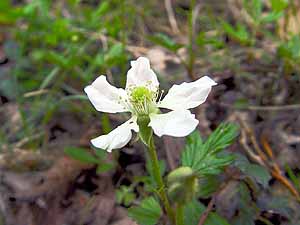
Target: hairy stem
191	41
179	214
159	180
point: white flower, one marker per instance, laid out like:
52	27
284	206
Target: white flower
142	97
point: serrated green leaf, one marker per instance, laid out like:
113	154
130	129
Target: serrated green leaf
279	204
147	213
259	173
193	212
81	154
205	158
125	195
193	145
208	185
222	137
247	208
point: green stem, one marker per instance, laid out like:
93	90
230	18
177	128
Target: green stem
179	214
159	180
191	41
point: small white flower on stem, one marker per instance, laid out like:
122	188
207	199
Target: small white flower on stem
142	97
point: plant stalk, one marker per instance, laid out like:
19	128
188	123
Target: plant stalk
179	214
191	60
159	180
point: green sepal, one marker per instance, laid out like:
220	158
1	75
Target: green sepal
180	174
182	185
145	132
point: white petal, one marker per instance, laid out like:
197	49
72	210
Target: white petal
105	97
117	138
141	74
179	123
188	95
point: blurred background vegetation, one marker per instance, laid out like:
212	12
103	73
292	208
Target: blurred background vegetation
50	50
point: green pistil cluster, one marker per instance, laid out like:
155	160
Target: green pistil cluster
141	95
142	100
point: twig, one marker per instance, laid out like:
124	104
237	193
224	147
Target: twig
207	210
35	93
249	151
265	221
264	108
266	146
276	171
252	137
239	12
273	108
262	158
171	16
212	202
28	139
286	183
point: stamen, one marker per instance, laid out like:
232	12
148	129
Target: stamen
142	100
160	96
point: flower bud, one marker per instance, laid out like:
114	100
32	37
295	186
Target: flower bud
179	174
182	185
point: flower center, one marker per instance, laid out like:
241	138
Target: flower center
140	95
142	100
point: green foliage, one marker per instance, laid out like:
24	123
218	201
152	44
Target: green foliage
83	155
60	48
259	173
279	5
182	185
165	41
208	185
293	177
8	13
255	10
125	195
60	51
290	50
247	208
115	55
205	158
213	41
193	212
272	16
147	213
150	178
238	33
256	172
